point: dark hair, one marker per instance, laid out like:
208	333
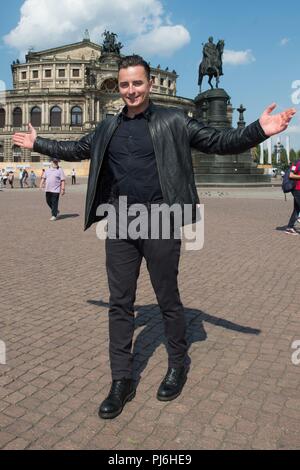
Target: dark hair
133	61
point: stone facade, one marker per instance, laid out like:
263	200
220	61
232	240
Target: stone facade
64	92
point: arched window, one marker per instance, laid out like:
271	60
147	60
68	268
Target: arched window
110	86
2	118
36	117
17	154
55	117
76	116
17	117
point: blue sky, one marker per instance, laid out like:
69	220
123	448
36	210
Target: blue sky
267	38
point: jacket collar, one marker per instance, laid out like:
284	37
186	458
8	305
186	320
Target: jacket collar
147	113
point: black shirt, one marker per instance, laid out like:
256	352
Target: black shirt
132	163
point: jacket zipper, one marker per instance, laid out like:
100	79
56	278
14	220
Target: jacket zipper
102	156
156	153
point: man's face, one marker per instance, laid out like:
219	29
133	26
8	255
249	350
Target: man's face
135	88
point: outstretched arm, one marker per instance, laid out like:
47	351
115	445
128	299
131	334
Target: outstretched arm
276	123
25	139
65	150
233	141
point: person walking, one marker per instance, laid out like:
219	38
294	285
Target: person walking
144	154
25	178
21	175
53	182
32	179
11	178
73	176
4	176
294	175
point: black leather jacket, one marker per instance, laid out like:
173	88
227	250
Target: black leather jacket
173	135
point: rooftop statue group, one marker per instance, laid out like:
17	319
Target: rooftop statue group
211	64
110	44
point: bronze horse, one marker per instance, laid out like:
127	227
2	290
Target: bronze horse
215	70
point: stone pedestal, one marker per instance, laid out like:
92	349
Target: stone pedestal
214	108
211	107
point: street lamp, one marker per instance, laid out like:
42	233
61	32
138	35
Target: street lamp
278	149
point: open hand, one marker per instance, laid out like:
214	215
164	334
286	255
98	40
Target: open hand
25	140
273	124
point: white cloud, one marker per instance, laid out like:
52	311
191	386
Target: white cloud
294	129
238	57
163	41
45	24
284	41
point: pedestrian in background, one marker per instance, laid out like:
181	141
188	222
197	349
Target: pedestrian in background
11	178
33	179
294	175
21	178
4	176
73	176
54	183
25	178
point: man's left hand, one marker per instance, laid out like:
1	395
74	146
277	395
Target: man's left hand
274	124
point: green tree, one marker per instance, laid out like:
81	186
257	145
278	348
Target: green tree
293	156
255	153
283	165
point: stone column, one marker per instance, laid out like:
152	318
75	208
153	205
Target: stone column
69	74
269	146
47	117
23	107
9	116
26	117
68	117
261	159
63	114
8	154
43	107
98	111
287	148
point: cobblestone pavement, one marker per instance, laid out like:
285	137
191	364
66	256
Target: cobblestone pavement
242	311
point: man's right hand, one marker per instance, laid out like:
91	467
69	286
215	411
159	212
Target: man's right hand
25	140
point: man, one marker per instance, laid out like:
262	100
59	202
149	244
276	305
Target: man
294	175
144	153
25	178
73	174
21	176
210	54
32	179
4	176
53	181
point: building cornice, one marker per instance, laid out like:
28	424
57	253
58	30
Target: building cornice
56	50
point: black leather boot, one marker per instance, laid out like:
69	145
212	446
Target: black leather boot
173	383
120	393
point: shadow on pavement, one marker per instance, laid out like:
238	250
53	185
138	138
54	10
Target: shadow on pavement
282	229
152	336
67	216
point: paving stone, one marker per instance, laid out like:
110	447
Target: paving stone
242	391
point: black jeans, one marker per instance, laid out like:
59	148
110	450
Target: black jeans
123	261
52	201
295	213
